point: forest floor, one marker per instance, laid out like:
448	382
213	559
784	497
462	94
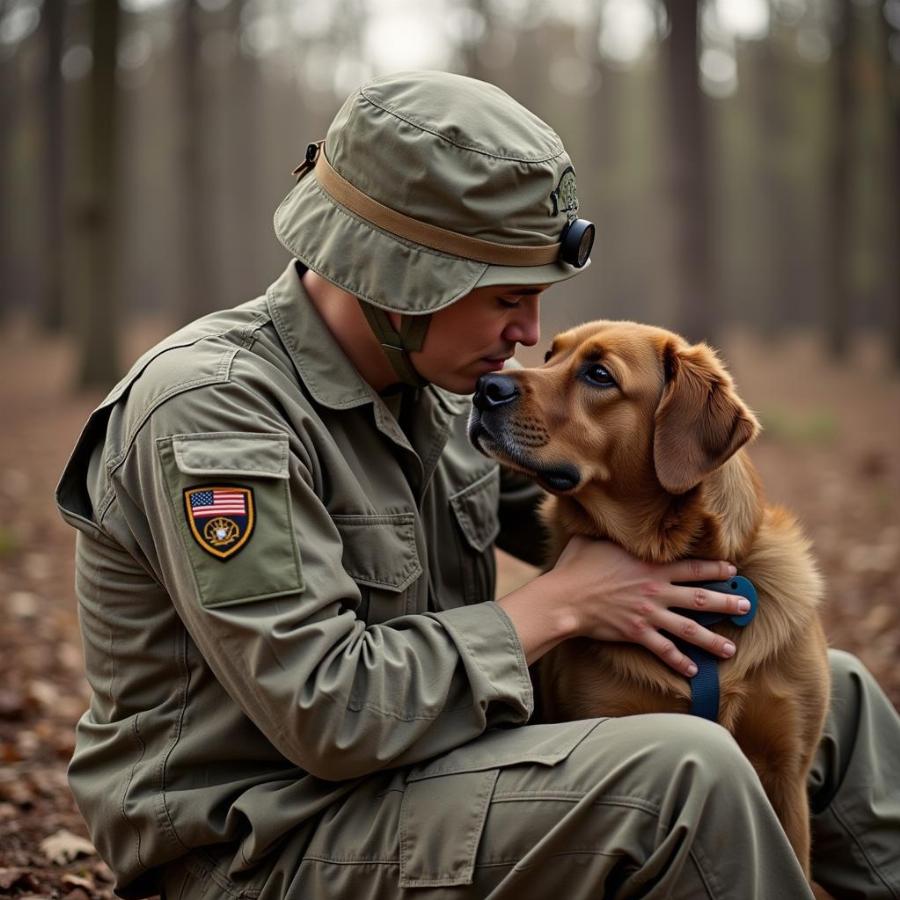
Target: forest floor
830	451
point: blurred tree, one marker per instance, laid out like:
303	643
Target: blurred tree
839	186
890	23
198	262
51	183
244	137
780	196
8	122
94	209
689	174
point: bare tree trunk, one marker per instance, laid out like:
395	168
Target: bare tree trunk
199	272
892	86
838	230
781	287
8	127
247	223
98	313
52	306
689	174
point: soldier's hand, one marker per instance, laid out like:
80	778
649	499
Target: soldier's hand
612	596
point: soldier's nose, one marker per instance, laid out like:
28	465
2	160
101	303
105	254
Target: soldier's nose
493	390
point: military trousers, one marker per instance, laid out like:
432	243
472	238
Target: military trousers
656	806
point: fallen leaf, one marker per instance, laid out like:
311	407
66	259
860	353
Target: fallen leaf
77	894
63	847
12	705
21	878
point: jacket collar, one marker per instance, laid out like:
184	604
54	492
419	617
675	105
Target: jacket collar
323	366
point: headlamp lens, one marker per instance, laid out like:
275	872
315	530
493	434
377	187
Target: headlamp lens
577	240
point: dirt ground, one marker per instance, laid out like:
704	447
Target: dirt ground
830	451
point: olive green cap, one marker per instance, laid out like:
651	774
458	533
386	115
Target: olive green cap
446	152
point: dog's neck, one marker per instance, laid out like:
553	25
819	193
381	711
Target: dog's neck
715	520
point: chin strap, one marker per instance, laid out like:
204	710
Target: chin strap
397	345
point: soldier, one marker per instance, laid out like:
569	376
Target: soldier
302	686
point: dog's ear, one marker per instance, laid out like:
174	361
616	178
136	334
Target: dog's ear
700	420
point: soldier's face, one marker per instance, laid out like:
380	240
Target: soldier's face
477	334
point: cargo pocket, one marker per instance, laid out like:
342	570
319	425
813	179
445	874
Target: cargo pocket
446	801
475	509
230	497
380	555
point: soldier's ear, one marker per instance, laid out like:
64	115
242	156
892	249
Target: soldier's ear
700	421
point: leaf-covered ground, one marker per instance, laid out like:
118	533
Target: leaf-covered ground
830	451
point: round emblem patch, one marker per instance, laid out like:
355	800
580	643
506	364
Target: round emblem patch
221	517
565	197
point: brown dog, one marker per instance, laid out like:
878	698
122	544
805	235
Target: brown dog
638	435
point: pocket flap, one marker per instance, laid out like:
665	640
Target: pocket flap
380	551
476	508
232	453
544	744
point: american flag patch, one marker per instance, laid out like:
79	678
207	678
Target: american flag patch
220	517
218	502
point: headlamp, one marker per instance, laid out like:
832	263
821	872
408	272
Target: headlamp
576	241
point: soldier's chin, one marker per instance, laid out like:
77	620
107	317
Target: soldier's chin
561	478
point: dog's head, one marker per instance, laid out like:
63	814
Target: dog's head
615	404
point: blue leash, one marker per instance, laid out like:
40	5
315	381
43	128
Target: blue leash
705	684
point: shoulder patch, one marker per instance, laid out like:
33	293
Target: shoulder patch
221	517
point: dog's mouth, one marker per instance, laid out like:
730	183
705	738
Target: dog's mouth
561	478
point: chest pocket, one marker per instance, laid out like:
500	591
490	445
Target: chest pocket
230	499
475	511
380	555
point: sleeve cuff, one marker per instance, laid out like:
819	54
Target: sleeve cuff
492	656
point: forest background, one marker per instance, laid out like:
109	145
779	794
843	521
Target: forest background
740	158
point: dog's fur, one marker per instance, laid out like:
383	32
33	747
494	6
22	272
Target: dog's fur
655	464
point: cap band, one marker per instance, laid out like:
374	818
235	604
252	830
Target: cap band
415	230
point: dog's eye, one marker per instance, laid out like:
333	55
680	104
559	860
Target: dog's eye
599	376
547	355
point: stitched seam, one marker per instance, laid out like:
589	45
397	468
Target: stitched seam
224	368
135	728
842	821
142	747
217	378
637	803
475	149
185	684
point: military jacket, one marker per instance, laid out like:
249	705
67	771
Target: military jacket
280	590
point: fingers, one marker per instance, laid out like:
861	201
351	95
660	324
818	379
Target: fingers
700	570
687	597
666	650
696	634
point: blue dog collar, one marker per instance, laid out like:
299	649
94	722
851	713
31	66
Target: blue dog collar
705	684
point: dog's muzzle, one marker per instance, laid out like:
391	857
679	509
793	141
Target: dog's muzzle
494	390
489	434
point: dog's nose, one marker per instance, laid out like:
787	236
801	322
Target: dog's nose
494	390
